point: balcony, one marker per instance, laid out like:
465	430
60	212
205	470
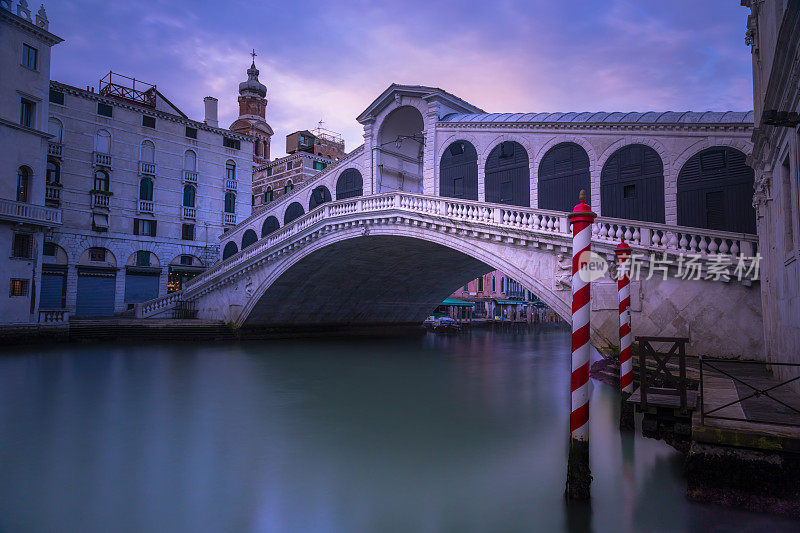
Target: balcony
102	160
230	184
52	195
146	206
147	168
100	199
54	149
229	218
189	212
33	214
190	176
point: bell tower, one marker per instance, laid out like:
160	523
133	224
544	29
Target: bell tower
252	114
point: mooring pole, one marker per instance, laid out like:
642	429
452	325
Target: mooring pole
579	477
623	253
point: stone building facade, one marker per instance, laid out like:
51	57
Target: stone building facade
25	44
773	34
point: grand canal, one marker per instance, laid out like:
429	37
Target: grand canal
418	434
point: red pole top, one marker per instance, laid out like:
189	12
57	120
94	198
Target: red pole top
582	212
622	251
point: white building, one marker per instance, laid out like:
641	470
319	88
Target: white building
773	33
24	80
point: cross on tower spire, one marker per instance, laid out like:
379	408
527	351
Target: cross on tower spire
254	54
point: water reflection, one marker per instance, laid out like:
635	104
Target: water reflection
429	434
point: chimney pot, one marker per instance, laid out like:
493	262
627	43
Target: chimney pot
211	111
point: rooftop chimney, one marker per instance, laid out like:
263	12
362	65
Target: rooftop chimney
211	111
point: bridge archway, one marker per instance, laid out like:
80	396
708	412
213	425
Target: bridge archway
249	238
295	210
632	184
270	225
563	173
400	151
458	171
229	250
715	191
508	176
349	185
319	196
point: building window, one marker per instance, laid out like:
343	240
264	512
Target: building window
480	284
19	287
53	176
268	195
187	232
502	284
146	189
191	132
190	161
30	56
319	165
288	187
148	121
466	287
147	152
26	110
21	247
23	183
56	97
49	249
494	284
230	170
104	109
269	171
227	142
142	258
187	260
253	200
189	196
102	142
98	255
629	191
230	202
54	128
288	165
101	181
144	226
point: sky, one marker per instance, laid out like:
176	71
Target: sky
328	59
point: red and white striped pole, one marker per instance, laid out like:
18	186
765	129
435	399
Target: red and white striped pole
623	253
579	477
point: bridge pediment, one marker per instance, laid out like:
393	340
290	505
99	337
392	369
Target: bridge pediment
396	92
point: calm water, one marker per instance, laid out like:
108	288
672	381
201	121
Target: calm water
424	434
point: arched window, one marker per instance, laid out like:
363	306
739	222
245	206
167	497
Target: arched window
508	176
632	184
102	142
190	161
23	183
101	181
54	128
148	152
288	187
146	189
53	176
230	202
349	185
229	250
458	171
715	191
319	196
257	148
230	170
270	224
249	238
294	211
563	173
268	195
189	194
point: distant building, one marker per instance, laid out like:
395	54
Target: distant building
24	218
494	293
252	115
308	153
773	33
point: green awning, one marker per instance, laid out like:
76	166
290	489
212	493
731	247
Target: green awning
455	302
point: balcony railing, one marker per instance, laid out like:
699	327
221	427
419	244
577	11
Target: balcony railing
35	214
145	206
100	199
189	176
102	160
54	149
53	316
147	168
189	212
52	194
230	185
229	218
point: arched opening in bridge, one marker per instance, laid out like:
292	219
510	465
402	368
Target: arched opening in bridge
458	171
319	196
295	210
508	177
270	225
229	250
349	185
249	238
632	184
399	152
563	173
715	191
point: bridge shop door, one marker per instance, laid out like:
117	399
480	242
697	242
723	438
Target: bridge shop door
563	173
458	172
632	184
508	176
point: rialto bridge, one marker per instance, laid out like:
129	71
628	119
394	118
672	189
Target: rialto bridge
441	192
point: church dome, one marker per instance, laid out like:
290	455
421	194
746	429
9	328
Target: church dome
252	86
